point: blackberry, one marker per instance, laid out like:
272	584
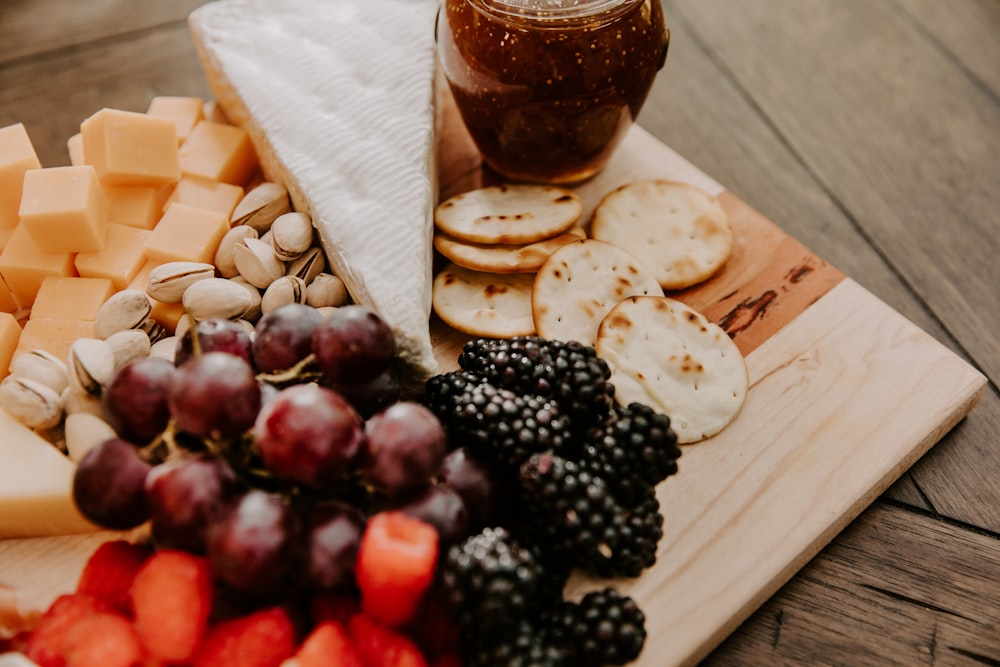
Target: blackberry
572	512
638	536
604	628
489	581
634	450
569	372
505	426
527	645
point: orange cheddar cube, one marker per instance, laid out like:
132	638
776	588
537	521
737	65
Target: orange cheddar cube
74	145
24	265
71	298
186	233
203	193
55	335
218	152
214	113
167	315
120	259
184	111
129	148
7	302
136	205
5	234
17	156
10	334
64	209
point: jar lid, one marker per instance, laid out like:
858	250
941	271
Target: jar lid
554	10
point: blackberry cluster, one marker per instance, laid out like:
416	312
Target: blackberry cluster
603	628
569	372
527	645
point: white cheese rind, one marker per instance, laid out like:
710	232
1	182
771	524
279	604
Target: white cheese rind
338	98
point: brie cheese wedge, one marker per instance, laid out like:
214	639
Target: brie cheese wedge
338	99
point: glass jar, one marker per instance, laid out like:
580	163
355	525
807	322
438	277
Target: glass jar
548	88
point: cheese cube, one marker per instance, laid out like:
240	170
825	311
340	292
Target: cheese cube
10	333
184	111
136	205
129	148
74	145
71	298
120	259
7	302
186	234
218	152
64	209
203	193
214	113
24	265
36	485
17	156
55	335
167	315
5	234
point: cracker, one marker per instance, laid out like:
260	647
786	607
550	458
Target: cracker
666	355
502	258
484	304
679	231
580	283
509	213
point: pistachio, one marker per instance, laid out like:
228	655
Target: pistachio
165	348
91	365
128	345
216	297
182	327
153	329
167	282
249	326
260	206
309	264
123	310
256	261
326	311
253	312
284	290
76	401
84	431
31	403
326	289
41	366
224	253
291	235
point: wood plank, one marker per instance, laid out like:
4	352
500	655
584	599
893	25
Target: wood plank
53	96
895	588
29	28
968	30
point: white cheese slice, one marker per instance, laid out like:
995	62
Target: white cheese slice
36	484
338	98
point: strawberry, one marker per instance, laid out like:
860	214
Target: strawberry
337	607
328	645
109	572
46	642
261	639
380	646
172	599
395	566
102	640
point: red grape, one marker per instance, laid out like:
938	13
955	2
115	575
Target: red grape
308	434
475	483
214	335
332	534
404	447
136	398
353	345
108	485
440	506
374	395
214	395
283	337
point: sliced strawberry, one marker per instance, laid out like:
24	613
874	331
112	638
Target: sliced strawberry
109	572
46	642
395	566
102	640
380	646
337	607
261	639
328	645
172	599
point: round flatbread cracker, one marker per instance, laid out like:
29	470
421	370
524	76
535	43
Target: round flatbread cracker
666	355
580	283
509	213
484	304
501	258
679	231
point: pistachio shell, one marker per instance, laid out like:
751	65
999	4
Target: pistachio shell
74	401
291	235
31	403
41	366
326	289
123	310
83	432
167	282
257	263
91	365
165	348
224	253
216	297
309	264
260	206
253	312
284	290
128	345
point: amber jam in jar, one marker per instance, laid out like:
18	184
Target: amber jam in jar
547	88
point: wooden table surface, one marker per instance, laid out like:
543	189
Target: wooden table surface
867	129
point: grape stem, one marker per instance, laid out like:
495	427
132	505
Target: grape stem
298	373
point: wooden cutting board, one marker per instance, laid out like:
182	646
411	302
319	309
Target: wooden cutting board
845	395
